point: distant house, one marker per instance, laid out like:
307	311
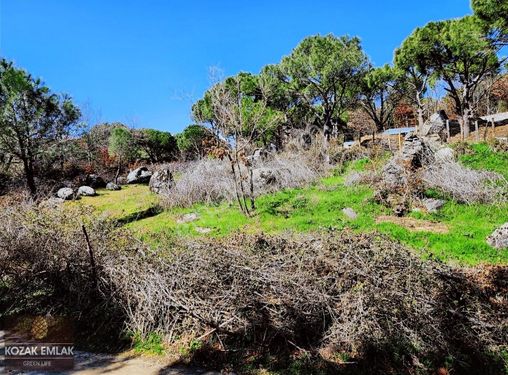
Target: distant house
497	119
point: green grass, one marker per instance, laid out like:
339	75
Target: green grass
122	203
151	344
316	207
483	157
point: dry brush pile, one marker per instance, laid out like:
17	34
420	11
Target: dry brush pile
357	294
329	293
50	264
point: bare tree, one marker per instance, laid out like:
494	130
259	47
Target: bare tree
239	121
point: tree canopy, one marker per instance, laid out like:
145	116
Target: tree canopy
494	17
455	51
323	75
160	146
33	120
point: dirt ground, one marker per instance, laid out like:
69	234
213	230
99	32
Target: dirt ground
122	364
484	134
414	224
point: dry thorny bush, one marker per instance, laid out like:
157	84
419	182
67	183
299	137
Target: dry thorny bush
360	294
465	185
210	180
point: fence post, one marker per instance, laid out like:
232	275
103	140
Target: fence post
476	130
447	131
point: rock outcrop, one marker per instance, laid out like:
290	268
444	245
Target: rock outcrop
139	175
161	181
435	125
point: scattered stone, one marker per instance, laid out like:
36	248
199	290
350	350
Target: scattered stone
203	230
161	181
432	205
113	186
187	218
139	175
86	191
94	181
499	238
65	193
350	213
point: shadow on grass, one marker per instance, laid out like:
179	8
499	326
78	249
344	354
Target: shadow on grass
139	215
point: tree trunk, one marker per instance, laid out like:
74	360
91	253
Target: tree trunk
118	171
419	110
466	123
466	112
30	180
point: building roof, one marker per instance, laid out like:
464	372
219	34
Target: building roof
396	131
498	117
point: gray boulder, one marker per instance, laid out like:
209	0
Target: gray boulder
139	175
432	205
350	213
86	191
187	218
161	181
65	193
416	151
113	186
499	238
394	174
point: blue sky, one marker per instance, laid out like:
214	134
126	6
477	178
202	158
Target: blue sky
143	62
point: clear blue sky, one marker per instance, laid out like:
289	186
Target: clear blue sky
143	62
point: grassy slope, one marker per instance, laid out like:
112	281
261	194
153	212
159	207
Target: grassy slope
484	158
319	207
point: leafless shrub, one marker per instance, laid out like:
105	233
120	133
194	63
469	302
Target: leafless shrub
464	184
204	181
211	180
289	171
